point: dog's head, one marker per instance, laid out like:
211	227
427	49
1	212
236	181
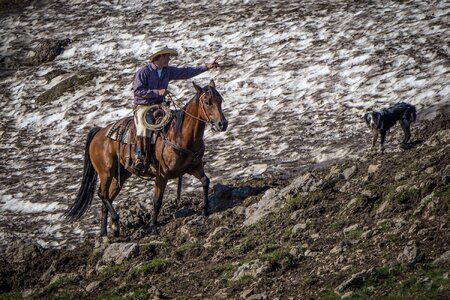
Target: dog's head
374	120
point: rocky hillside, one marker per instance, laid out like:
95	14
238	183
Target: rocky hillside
374	227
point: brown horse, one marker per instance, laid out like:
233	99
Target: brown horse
178	150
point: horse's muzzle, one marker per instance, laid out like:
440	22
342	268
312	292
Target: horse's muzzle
221	125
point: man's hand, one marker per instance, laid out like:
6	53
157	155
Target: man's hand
212	65
162	92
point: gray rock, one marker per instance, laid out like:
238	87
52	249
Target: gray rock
257	297
373	168
443	259
355	280
298	228
116	253
253	268
411	255
70	84
49	49
399	176
93	286
349	172
274	199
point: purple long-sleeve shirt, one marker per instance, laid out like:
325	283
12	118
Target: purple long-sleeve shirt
147	82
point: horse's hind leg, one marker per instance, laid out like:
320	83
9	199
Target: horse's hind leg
109	189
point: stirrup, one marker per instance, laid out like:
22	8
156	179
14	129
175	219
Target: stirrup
138	165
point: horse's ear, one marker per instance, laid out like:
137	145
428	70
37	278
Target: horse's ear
199	89
212	84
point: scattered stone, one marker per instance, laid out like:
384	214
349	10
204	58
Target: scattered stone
355	280
382	207
399	176
253	268
349	172
334	173
93	286
373	168
257	297
443	259
118	252
218	233
298	227
70	84
429	170
49	49
351	228
411	255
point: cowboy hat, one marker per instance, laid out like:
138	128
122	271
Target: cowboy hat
160	50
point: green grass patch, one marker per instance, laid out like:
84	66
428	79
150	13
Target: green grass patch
310	281
181	251
156	265
396	283
246	246
111	294
403	197
279	259
303	201
11	296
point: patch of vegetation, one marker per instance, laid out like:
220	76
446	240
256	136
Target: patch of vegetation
111	294
279	259
425	283
57	284
328	295
403	197
310	281
226	270
246	245
244	280
156	265
11	296
303	201
180	251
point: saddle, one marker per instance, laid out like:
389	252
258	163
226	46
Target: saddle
124	131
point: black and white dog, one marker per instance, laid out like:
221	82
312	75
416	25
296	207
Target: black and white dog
381	121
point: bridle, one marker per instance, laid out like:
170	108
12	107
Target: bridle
201	103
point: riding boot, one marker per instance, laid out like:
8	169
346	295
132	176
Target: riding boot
139	163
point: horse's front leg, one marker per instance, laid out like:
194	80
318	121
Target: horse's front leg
200	174
160	186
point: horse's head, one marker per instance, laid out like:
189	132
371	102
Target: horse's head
210	102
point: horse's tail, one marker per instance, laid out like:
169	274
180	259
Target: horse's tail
88	183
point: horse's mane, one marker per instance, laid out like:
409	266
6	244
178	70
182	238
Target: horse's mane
179	114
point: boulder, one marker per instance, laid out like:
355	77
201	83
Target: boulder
253	268
48	49
410	256
118	252
355	280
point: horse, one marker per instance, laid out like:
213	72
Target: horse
178	150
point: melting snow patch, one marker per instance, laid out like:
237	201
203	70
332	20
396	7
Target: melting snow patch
19	206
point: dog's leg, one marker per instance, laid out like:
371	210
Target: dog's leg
383	138
406	129
374	138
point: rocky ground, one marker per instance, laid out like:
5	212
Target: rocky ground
374	227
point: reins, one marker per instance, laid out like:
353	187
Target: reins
171	97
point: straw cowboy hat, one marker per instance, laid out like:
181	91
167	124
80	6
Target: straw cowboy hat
159	50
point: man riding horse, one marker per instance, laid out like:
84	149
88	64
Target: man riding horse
150	88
